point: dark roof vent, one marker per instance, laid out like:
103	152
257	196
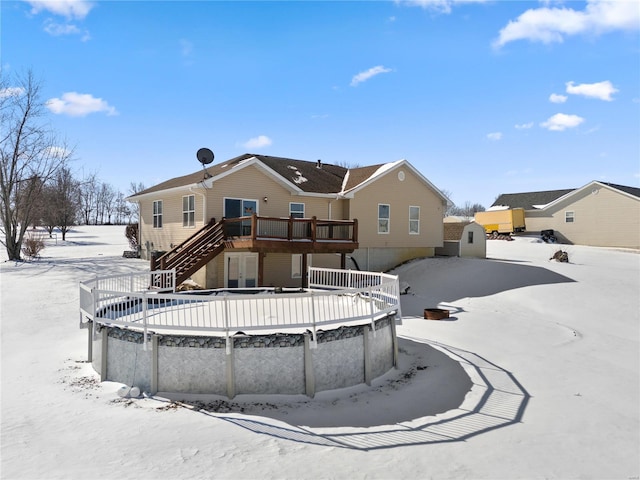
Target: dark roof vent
319	164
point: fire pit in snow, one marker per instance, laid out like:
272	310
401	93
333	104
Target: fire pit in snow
435	313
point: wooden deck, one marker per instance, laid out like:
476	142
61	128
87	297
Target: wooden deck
290	235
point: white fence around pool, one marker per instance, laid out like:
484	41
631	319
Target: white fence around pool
147	301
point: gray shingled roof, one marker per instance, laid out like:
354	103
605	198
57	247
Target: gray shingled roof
304	174
527	200
325	178
359	175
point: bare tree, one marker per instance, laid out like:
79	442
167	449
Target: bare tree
110	202
62	202
122	210
105	202
30	155
133	189
468	210
88	194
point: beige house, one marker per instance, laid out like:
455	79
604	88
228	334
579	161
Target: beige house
258	220
598	214
463	239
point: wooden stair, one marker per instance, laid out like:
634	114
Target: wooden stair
194	253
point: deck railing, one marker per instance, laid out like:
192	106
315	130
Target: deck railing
292	229
148	302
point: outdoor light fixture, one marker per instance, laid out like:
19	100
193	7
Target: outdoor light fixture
265	199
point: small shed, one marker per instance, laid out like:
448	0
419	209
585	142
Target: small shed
463	239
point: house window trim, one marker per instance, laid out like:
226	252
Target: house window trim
414	220
388	219
242	200
569	216
157	214
191	213
292	213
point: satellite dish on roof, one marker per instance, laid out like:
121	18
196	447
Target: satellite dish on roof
205	156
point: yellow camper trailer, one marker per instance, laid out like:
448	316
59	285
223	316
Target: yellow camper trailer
501	221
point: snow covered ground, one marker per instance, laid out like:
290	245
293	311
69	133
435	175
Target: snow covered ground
535	375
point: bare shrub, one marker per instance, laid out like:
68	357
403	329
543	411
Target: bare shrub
32	245
131	232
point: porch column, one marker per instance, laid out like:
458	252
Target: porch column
305	274
261	256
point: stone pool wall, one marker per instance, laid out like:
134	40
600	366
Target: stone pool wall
277	363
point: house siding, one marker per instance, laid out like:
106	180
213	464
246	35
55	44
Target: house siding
607	218
277	268
380	252
256	185
172	232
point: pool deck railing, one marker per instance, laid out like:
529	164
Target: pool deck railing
148	302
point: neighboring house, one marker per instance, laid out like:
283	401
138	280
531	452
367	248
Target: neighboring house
463	239
597	214
261	220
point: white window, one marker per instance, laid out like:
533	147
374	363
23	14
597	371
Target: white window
414	220
568	217
189	211
384	215
296	210
157	214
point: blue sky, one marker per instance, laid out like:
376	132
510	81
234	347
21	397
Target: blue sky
483	97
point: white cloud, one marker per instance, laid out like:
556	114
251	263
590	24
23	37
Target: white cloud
11	92
600	90
258	142
58	29
562	121
70	9
66	8
79	105
524	126
440	6
549	25
556	98
367	74
494	136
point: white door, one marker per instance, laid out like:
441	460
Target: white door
240	270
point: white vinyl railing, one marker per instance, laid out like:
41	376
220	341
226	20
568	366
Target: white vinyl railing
148	301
